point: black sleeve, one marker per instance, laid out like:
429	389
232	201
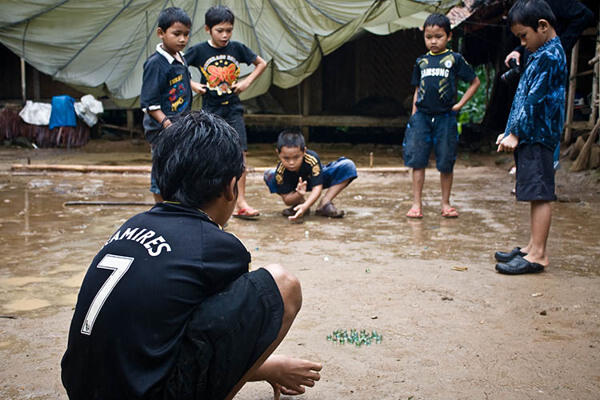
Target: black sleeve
573	17
248	56
152	84
464	69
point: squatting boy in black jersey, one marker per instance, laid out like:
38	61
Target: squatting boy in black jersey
168	309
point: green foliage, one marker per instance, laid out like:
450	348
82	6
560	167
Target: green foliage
474	110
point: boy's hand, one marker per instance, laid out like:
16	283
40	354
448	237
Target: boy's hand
239	86
509	143
301	187
499	138
456	107
513	54
198	87
300	210
292	375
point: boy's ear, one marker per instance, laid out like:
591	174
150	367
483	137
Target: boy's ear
159	32
207	29
230	192
543	25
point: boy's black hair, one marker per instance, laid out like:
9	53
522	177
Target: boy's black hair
195	159
290	138
440	20
218	14
171	15
529	12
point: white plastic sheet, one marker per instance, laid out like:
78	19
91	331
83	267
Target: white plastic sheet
36	113
88	109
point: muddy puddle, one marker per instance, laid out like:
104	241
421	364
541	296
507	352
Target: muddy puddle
46	246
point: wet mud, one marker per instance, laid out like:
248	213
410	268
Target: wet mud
451	326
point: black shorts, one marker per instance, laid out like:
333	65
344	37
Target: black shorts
224	338
535	173
233	114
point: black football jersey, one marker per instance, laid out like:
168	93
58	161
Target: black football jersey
137	295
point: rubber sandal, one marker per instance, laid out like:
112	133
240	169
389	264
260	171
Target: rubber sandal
450	213
288	212
247	213
329	210
414	213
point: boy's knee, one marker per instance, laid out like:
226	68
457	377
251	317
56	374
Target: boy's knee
290	199
289	287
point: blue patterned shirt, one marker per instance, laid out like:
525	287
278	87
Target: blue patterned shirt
538	109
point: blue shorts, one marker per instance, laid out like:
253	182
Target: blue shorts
233	114
427	131
151	137
535	173
333	173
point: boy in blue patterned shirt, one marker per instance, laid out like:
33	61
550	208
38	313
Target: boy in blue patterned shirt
533	129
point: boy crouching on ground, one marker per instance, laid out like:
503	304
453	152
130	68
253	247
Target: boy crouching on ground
533	129
433	120
300	171
168	309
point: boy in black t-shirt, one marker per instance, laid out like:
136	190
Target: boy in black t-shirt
433	120
300	171
168	309
166	86
219	59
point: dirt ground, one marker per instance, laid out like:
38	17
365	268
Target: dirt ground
452	327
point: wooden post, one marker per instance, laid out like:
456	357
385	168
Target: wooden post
595	103
23	81
571	94
130	122
306	106
36	84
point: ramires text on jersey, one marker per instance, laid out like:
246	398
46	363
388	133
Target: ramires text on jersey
153	244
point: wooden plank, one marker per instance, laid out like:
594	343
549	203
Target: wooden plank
82	168
324	120
146	169
571	93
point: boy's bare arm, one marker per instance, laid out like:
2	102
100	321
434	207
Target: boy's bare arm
287	375
198	87
414	103
259	67
470	92
160	117
312	198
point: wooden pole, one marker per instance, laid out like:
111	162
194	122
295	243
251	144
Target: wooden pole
595	63
583	158
23	82
306	106
130	122
571	94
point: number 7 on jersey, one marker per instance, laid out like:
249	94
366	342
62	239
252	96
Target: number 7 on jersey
119	265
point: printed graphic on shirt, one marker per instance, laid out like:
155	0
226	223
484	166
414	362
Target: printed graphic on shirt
221	72
442	73
177	94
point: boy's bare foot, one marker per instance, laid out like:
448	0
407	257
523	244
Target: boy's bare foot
414	212
288	375
449	212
